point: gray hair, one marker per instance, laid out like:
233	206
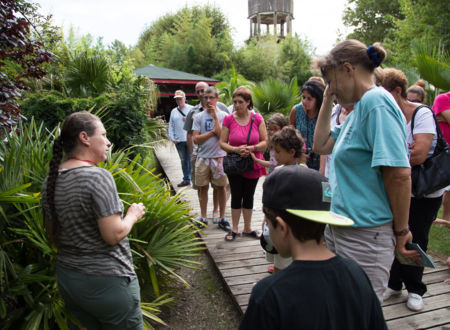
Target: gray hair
212	89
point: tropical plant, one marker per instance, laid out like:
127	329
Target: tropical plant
274	95
162	242
433	64
227	88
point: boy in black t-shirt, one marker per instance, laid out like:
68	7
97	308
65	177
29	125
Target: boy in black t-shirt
319	290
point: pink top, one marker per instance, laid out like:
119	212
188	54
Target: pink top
238	136
441	104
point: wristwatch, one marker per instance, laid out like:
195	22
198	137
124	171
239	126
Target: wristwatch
402	232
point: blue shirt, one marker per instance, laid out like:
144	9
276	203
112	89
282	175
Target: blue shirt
373	135
176	124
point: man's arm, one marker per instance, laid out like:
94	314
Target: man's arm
397	182
189	142
200	138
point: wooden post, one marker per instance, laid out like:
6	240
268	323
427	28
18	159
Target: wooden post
275	23
258	20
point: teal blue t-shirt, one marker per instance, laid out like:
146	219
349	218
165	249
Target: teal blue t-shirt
373	135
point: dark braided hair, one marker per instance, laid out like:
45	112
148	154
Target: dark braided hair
73	125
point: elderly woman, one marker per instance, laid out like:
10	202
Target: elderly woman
94	266
423	211
370	176
233	138
304	117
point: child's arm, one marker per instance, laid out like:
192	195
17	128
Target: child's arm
260	161
262	224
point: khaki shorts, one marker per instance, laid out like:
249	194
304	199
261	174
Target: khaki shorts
210	170
278	261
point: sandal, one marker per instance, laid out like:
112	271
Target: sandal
224	225
253	234
231	236
215	220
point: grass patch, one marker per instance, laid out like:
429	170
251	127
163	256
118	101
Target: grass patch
439	238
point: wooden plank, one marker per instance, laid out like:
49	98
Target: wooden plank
430	303
244	270
242	263
445	326
245	279
221	257
421	320
243	299
241	289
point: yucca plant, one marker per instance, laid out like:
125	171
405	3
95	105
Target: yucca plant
162	242
273	95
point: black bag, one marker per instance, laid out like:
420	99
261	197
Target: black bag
434	173
235	164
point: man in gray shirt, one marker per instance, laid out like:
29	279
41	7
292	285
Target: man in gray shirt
209	164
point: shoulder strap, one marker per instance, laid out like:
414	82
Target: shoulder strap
250	129
440	143
181	112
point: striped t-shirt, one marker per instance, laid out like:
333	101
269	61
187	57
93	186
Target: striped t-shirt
83	195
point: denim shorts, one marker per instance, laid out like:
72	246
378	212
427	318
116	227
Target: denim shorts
99	301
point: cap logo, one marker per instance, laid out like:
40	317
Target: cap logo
326	192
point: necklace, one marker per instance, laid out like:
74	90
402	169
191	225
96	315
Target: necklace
85	160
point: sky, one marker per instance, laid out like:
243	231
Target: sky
318	20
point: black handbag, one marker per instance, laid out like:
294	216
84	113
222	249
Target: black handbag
434	173
235	164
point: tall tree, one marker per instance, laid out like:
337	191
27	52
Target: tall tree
372	20
195	40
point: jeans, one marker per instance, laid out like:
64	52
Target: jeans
183	152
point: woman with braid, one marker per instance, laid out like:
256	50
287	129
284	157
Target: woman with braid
83	211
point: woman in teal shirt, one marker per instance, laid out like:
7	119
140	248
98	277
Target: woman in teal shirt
370	175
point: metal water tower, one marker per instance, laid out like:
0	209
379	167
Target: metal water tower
270	12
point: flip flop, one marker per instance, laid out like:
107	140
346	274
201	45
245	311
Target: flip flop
231	234
252	234
215	220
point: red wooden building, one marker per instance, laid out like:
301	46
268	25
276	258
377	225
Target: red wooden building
168	82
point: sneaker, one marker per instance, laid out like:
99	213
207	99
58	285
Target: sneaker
183	184
389	293
204	222
224	225
415	302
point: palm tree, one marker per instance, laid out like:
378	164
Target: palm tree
227	88
433	64
273	95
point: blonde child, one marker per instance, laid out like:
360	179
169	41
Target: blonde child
288	147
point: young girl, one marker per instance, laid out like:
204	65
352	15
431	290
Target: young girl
288	146
274	124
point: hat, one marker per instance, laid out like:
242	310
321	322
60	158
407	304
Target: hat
179	93
302	192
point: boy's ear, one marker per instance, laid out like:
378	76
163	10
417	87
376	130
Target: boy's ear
283	226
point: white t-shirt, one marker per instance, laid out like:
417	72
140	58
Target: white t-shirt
423	124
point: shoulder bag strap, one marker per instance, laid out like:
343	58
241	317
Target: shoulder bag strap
250	130
441	144
181	112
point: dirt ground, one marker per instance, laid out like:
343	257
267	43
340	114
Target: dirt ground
206	305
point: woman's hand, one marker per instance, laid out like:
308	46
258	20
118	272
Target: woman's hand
242	151
328	96
136	211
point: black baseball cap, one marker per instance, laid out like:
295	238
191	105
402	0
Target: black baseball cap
303	192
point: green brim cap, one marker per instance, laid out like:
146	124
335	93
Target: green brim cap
323	217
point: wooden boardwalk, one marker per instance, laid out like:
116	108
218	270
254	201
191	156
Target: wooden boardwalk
242	263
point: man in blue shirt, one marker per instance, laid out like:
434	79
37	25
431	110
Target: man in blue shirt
178	135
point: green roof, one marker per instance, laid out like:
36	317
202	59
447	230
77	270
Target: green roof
157	72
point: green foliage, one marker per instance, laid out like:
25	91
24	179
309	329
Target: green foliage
424	20
227	88
432	65
195	40
275	96
126	110
372	20
162	242
269	57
